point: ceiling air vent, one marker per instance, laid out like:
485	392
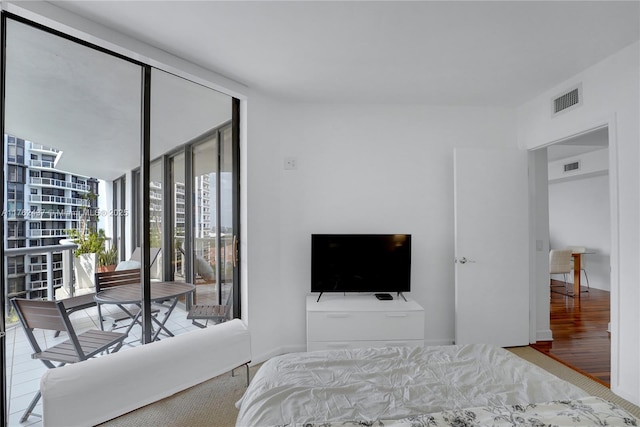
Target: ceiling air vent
569	167
567	100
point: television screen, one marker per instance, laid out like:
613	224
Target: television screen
360	262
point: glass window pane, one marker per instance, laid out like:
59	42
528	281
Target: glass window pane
156	214
72	117
226	211
179	208
190	114
205	168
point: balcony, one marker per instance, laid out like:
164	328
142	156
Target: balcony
41	285
57	183
35	268
43	148
23	373
58	200
42	164
52	215
48	233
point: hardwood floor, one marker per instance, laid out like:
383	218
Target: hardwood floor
580	336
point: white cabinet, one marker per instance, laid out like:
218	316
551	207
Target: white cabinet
356	321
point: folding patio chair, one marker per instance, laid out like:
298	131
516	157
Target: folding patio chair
52	316
215	313
108	279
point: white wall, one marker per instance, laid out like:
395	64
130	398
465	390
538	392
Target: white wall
360	168
579	216
389	167
591	164
579	212
611	97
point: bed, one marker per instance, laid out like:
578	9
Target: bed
402	386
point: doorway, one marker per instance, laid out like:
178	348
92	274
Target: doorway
579	215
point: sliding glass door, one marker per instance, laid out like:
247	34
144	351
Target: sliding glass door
215	237
79	120
200	180
71	117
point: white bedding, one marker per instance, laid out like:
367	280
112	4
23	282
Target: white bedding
589	411
392	383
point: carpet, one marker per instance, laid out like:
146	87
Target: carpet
560	370
212	403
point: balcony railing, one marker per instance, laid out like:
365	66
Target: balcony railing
67	267
44	284
48	233
34	268
38	215
57	183
58	200
41	147
42	164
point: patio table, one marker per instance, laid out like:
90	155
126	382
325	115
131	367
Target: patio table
132	294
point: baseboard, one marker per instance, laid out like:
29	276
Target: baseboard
544	335
439	342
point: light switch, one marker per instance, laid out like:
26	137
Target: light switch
290	163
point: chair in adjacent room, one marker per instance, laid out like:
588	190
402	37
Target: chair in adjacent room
560	263
580	250
52	316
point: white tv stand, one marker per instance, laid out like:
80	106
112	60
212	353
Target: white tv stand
357	321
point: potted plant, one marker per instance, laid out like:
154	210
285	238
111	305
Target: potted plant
90	246
90	242
108	259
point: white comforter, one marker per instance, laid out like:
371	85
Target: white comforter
392	383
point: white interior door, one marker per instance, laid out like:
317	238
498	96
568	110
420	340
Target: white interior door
491	247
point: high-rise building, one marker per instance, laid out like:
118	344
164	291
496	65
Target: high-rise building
202	207
42	204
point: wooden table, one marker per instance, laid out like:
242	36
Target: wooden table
577	265
132	294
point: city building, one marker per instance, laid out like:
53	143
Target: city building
42	205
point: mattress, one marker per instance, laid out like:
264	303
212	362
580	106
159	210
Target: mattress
375	384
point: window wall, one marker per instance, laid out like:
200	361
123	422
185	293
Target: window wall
76	113
194	233
71	115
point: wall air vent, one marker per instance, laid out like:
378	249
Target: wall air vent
570	167
568	100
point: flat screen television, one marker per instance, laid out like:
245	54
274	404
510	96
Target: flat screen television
360	263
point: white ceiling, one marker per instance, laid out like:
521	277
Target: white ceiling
88	104
477	53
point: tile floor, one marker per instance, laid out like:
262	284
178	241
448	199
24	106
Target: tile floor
23	373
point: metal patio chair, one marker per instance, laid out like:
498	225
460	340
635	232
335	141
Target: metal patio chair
215	313
52	316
